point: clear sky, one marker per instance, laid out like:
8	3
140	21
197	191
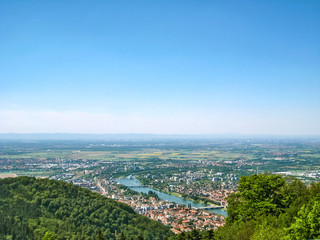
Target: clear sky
169	66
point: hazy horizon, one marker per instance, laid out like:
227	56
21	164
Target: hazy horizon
151	135
147	67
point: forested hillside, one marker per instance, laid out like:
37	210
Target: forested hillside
46	209
268	207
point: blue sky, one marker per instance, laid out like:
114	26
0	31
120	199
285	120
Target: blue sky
182	67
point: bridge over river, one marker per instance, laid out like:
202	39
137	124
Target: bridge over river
209	208
134	186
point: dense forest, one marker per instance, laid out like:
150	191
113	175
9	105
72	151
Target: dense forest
268	207
43	209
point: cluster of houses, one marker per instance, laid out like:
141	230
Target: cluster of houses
185	219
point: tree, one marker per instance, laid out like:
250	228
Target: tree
258	195
49	236
100	236
194	235
121	236
307	224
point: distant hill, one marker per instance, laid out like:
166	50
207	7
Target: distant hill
142	137
33	208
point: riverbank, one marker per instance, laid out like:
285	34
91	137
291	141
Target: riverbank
190	199
134	184
200	200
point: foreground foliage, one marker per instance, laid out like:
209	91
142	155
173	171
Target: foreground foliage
268	207
46	209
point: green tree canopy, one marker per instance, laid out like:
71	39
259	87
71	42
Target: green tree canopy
307	224
258	195
49	236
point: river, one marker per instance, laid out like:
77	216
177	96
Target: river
134	184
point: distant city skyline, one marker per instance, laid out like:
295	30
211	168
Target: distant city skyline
160	67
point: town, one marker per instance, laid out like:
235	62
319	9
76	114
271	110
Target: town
183	184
